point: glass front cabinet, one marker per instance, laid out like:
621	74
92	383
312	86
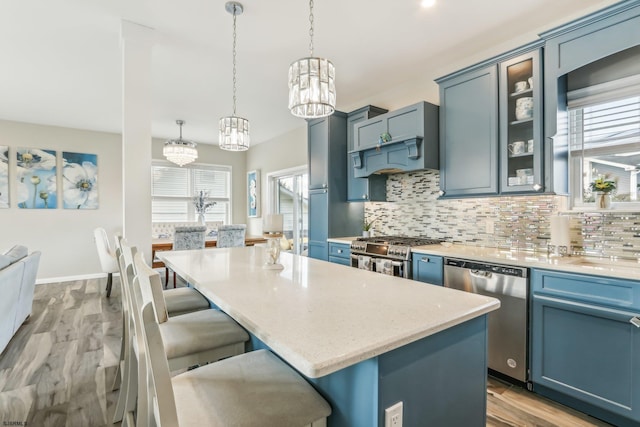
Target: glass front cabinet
521	137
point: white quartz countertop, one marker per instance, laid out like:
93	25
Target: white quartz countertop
343	240
322	317
621	269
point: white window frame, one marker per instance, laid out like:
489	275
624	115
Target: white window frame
272	192
190	208
597	94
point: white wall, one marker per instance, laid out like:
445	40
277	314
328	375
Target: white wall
64	236
283	152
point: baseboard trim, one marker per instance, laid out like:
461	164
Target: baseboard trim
48	280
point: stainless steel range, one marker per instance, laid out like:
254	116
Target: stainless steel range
386	254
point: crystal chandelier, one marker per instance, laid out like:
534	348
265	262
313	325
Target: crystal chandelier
312	89
180	151
234	130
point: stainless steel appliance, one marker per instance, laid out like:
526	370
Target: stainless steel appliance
386	254
507	326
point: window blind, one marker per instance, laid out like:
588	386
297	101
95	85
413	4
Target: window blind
606	125
173	189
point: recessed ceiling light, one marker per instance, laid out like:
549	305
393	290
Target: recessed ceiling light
427	3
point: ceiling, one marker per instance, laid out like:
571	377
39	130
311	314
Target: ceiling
61	59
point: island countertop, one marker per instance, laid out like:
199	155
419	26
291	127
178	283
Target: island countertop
318	316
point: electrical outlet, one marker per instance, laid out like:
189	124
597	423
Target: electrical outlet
393	415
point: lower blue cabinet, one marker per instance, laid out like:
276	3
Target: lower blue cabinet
586	354
340	253
428	268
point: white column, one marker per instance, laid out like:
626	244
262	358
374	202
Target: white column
137	41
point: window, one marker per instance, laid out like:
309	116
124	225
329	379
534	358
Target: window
604	140
173	189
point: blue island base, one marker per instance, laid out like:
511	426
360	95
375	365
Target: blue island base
441	380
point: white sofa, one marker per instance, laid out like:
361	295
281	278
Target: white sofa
18	271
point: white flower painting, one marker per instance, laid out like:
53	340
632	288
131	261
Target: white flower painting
35	172
80	180
4	177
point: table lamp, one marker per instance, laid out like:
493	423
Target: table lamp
272	230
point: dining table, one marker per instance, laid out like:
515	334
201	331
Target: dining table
366	341
159	244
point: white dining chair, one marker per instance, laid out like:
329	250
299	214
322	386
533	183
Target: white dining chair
107	256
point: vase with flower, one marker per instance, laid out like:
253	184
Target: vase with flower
603	187
202	204
367	230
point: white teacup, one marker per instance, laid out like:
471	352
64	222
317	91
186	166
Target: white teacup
517	147
530	146
522	85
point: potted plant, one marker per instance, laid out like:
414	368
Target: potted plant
603	187
366	227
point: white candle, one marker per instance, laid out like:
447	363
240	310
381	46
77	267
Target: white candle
560	231
273	223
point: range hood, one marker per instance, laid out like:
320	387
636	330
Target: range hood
404	140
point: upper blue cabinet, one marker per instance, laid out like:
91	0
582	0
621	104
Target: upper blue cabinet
469	132
398	141
373	188
491	126
520	94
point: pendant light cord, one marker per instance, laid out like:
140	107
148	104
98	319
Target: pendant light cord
311	28
234	60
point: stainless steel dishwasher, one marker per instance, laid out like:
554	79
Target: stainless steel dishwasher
507	326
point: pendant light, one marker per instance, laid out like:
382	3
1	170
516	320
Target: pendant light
180	151
234	130
312	89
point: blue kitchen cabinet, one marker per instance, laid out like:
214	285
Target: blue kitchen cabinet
401	140
330	215
340	253
521	138
373	188
584	344
469	132
318	223
428	268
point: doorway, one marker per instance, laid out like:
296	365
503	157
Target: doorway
289	196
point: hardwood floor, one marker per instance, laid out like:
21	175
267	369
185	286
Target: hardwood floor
58	369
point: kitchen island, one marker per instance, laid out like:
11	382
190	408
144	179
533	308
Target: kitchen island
365	340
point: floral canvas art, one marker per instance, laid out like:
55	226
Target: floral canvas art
4	177
79	180
253	194
36	176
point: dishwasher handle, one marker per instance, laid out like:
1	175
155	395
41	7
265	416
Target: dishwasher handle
506	270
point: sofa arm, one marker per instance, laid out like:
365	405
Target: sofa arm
10	280
25	302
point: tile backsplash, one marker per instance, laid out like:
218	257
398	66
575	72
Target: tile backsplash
512	222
